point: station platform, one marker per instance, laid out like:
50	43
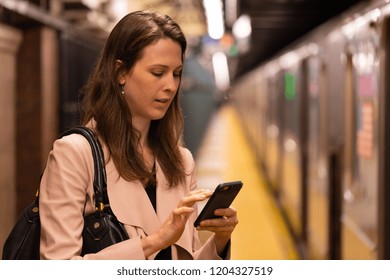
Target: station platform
225	155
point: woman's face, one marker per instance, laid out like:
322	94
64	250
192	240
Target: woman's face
152	83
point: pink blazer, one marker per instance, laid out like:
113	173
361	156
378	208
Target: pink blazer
66	194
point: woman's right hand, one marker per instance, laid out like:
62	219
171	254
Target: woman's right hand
173	227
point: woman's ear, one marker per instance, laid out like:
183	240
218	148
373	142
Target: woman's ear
121	76
118	63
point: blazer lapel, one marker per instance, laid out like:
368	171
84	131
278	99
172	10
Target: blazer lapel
167	198
130	202
131	205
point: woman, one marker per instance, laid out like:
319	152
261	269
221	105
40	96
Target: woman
131	102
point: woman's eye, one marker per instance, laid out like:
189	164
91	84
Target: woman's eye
157	74
177	74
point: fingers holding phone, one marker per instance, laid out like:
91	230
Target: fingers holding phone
226	222
218	216
220	200
222	227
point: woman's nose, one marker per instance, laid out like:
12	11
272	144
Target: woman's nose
172	83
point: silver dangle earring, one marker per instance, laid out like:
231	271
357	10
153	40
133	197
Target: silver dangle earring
123	89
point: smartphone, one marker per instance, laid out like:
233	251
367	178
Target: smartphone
222	197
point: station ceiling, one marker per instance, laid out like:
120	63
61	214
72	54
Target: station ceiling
275	23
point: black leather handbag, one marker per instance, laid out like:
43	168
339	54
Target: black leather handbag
101	228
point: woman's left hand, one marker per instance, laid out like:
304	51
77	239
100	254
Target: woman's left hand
222	227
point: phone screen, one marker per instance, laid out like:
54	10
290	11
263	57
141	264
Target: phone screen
222	197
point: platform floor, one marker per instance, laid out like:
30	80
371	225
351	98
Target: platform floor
225	155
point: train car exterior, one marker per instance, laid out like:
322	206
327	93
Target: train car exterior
321	111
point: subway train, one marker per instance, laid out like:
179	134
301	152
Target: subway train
317	116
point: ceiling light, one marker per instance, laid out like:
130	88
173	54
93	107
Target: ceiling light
214	15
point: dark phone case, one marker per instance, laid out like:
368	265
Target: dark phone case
222	197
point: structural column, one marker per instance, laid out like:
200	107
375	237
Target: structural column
37	108
10	39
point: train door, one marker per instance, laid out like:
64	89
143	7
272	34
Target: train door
292	190
384	145
254	112
261	115
318	172
273	129
360	219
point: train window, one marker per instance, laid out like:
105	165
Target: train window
289	81
292	102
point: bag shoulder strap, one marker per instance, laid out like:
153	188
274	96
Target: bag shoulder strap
100	177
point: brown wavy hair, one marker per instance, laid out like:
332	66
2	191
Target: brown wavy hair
103	101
